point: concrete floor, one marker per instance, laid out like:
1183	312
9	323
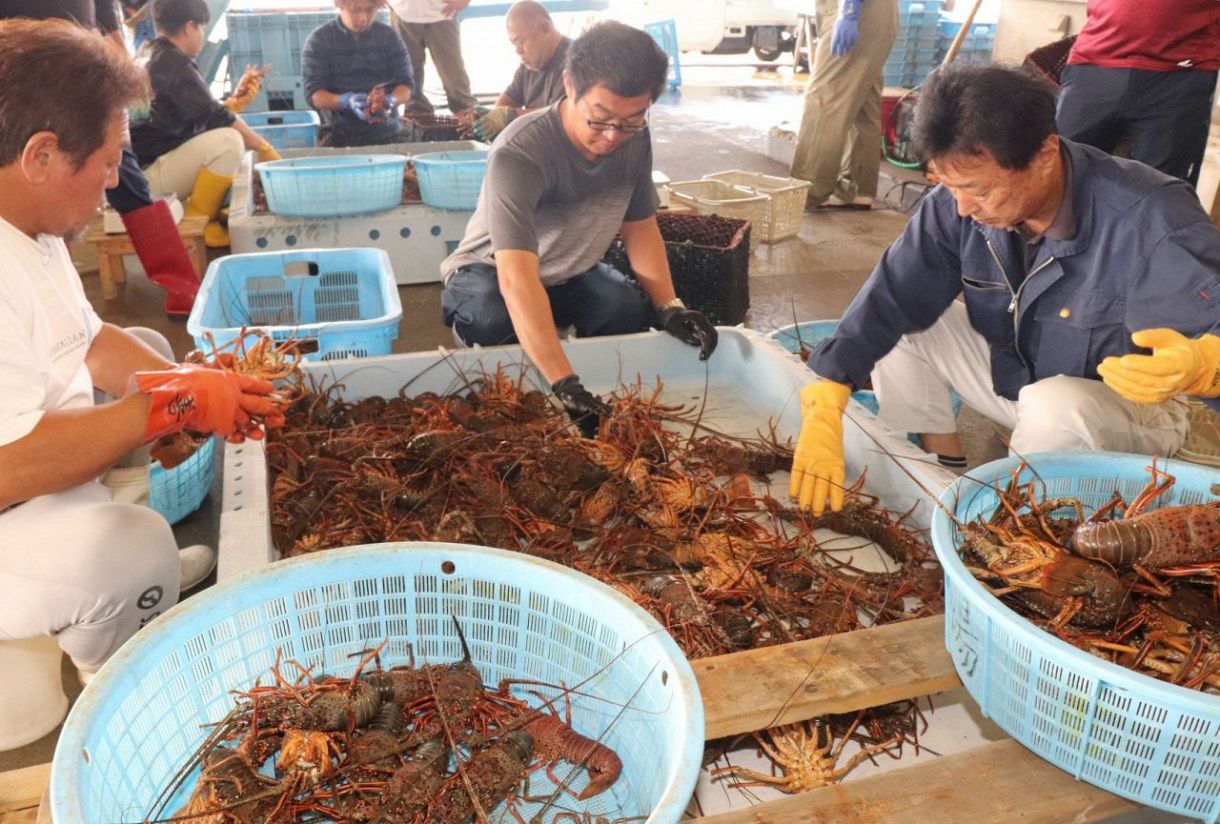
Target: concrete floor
705	128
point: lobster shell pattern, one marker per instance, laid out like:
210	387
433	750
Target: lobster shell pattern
1168	537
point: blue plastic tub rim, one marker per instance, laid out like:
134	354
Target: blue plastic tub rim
944	533
468	157
235	595
330	162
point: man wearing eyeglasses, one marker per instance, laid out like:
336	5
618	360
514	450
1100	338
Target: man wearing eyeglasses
561	182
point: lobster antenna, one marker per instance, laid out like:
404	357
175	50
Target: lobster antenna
462	638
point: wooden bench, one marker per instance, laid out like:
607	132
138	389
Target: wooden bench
111	248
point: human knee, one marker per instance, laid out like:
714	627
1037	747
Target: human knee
225	148
136	536
1052	413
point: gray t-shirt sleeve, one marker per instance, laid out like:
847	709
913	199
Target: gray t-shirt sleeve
513	190
516	86
644	200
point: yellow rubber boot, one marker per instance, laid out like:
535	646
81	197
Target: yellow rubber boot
205	200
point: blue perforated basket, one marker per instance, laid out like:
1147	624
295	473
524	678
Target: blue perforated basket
451	180
333	186
139	720
1147	740
285	130
179	491
345	300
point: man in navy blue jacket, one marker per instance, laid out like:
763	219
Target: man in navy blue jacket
1089	292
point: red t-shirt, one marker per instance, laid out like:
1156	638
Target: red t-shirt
1159	35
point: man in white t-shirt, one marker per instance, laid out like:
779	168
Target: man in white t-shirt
433	25
73	563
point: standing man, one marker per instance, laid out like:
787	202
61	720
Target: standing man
74	563
149	223
1090	286
1148	68
560	183
838	146
538	81
433	25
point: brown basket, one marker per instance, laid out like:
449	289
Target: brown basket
1050	59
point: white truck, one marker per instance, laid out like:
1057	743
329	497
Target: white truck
720	26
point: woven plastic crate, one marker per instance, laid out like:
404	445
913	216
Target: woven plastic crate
285	130
333	186
1150	741
715	197
709	260
451	180
179	491
785	201
345	300
424	127
140	718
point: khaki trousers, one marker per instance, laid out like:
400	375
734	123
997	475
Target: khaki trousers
838	147
217	150
443	40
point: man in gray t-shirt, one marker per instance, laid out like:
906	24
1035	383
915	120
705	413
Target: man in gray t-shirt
560	183
538	81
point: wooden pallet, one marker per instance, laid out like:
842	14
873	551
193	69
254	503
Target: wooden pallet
746	691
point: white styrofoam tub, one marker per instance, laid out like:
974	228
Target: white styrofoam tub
750	382
417	237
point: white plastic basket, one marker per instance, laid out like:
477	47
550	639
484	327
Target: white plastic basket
1147	740
785	201
714	197
139	719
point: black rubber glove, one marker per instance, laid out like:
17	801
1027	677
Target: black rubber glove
584	408
690	327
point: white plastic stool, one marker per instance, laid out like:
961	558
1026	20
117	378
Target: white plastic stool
32	700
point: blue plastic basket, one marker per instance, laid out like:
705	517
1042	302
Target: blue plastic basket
333	186
1147	740
665	34
451	180
178	492
344	299
139	719
285	130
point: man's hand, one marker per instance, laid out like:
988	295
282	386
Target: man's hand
691	327
491	123
584	408
818	466
247	89
357	103
1177	366
208	401
846	30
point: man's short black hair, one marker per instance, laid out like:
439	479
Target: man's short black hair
625	60
171	16
967	108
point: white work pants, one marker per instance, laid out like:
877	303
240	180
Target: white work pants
85	569
218	150
913	381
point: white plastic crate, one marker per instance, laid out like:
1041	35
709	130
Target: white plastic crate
785	201
714	197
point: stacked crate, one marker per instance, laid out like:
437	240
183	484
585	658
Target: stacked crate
915	48
977	46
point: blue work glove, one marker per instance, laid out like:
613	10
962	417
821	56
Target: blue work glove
846	29
356	103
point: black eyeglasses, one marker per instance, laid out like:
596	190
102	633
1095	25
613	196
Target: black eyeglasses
610	125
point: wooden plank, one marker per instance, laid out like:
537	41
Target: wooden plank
998	783
21	790
836	673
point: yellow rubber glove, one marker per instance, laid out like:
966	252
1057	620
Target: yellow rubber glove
1178	365
247	89
267	152
818	465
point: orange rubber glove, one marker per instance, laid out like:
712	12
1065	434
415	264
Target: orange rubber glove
208	401
1178	365
818	466
267	152
247	89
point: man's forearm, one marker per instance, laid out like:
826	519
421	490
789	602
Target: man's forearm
530	310
116	355
646	251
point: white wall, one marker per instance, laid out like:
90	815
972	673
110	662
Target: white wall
1025	25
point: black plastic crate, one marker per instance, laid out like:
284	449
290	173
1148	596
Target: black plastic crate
709	258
